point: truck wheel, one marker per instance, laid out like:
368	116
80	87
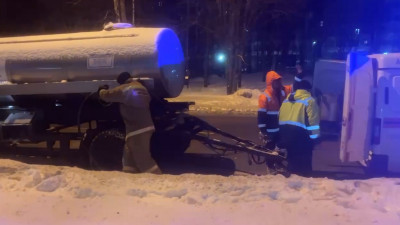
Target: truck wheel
377	166
106	150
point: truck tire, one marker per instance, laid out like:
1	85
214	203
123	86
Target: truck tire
106	150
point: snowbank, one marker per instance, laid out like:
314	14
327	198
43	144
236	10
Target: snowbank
213	99
32	194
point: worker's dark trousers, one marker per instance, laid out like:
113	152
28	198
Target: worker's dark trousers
271	140
299	149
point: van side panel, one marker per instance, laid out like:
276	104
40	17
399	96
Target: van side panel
328	88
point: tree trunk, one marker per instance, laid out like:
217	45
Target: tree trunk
233	69
117	10
231	65
230	62
241	51
239	68
229	74
123	11
206	60
3	13
120	10
133	12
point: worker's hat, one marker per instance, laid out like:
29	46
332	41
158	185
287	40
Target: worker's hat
123	77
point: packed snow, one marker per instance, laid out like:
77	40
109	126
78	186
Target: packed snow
213	99
121	42
33	194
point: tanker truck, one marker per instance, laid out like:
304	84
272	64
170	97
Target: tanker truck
47	81
48	87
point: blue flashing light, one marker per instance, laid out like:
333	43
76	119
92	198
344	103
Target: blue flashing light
220	57
122	25
169	48
385	53
357	60
314	43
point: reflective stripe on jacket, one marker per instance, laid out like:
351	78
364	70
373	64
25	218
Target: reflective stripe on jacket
269	104
301	110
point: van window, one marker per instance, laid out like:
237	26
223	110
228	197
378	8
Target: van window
394	94
396	84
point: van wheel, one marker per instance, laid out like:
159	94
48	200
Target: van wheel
106	150
377	166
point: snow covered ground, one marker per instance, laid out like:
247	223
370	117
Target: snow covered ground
33	194
44	194
214	100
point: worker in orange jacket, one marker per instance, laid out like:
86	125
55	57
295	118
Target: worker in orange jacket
269	103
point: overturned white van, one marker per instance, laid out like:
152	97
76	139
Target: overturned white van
371	111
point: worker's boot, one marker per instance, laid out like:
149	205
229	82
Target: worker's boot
155	170
130	169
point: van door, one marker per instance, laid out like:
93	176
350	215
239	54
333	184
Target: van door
357	108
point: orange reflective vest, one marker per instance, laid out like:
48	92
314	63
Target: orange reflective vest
269	104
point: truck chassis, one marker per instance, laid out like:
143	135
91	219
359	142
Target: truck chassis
101	140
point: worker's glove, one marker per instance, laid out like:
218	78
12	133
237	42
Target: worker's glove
270	145
103	87
266	141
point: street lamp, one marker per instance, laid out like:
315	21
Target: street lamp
220	57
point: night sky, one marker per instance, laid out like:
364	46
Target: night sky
22	17
378	21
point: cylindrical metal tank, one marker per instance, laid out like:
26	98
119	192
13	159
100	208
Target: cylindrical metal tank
144	52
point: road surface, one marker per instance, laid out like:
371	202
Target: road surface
325	158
